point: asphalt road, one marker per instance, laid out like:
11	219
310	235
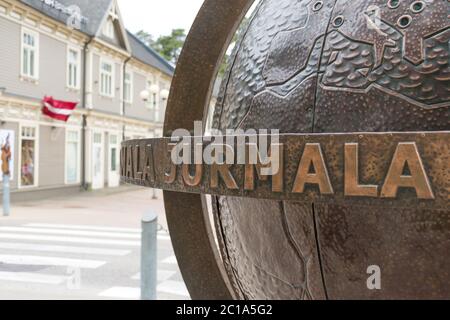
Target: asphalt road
83	247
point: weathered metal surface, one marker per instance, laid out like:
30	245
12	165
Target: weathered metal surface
385	170
330	66
365	72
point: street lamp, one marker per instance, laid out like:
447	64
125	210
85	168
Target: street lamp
154	89
164	94
145	95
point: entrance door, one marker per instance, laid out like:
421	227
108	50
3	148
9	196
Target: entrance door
113	159
98	163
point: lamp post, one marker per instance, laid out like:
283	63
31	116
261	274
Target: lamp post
145	95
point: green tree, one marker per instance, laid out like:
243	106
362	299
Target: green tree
168	46
146	38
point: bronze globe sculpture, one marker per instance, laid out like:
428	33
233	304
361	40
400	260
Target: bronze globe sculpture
338	66
316	67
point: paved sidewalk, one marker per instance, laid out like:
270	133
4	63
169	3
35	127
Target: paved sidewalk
83	247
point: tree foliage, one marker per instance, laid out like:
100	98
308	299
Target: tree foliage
168	46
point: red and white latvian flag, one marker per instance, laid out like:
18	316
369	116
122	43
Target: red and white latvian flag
56	109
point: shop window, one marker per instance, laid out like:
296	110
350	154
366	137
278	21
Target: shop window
72	157
28	157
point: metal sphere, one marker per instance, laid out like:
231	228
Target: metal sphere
306	66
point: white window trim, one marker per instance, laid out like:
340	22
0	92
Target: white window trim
113	78
102	156
36	156
78	86
107	32
150	105
130	100
117	146
36	53
78	154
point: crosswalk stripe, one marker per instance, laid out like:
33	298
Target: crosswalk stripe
121	293
17	236
163	237
168	287
173	287
49	261
82	227
72	232
162	275
31	278
63	249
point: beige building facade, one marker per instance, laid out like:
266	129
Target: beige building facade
121	87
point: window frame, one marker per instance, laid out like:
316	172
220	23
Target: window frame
129	99
78	180
149	102
113	145
108	28
36	155
35	49
77	86
153	102
112	74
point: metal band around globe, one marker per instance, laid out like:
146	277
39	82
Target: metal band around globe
191	232
405	169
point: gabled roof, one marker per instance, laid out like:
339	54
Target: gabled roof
149	56
118	24
93	10
96	12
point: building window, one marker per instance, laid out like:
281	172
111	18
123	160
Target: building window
113	142
73	68
108	29
152	103
28	157
30	54
106	79
128	88
156	107
149	102
72	156
98	159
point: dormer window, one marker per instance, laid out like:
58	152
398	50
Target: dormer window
108	29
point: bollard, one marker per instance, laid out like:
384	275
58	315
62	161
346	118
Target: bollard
6	198
149	256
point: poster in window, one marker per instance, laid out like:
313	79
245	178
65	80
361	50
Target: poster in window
27	163
7	138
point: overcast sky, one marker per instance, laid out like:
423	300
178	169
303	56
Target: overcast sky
159	17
